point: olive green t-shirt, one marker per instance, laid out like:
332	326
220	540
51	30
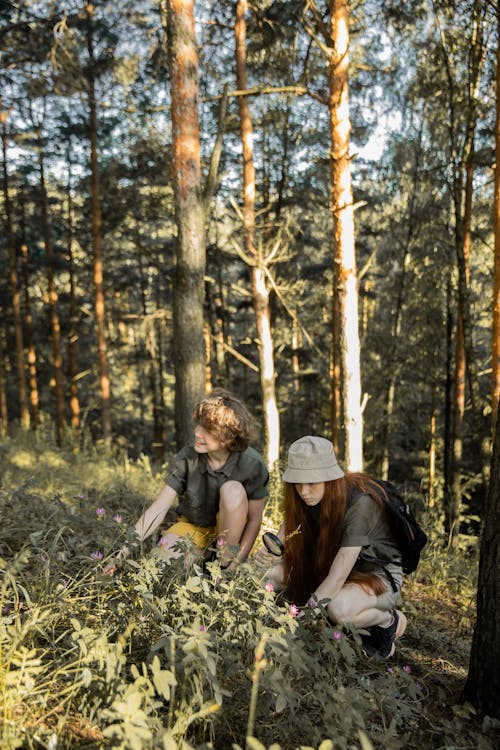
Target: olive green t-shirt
365	526
198	485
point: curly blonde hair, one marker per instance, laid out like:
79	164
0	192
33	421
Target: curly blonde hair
226	418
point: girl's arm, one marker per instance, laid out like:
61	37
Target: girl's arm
341	566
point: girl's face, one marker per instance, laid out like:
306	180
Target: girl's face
311	494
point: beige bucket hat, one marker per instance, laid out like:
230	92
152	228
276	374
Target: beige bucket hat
311	459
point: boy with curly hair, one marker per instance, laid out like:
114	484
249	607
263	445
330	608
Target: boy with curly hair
221	483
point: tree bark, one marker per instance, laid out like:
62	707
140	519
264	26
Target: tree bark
495	353
344	242
482	687
28	325
24	414
188	292
74	401
55	326
4	415
260	293
100	310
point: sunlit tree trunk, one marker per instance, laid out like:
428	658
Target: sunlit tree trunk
260	292
55	326
190	217
495	354
344	244
482	687
28	326
24	413
100	311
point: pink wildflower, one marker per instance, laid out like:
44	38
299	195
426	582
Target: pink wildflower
100	512
337	635
117	518
163	541
390	669
293	610
202	628
269	586
96	555
407	668
221	542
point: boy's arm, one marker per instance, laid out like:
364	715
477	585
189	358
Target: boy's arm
154	515
252	527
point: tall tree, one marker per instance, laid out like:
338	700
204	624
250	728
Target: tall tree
100	311
190	216
55	325
495	355
345	268
74	401
14	285
28	323
255	256
482	687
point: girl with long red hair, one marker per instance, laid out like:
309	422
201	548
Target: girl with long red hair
335	536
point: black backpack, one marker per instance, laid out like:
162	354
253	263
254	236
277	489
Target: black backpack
408	534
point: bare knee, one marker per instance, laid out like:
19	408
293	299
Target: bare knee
233	496
340	610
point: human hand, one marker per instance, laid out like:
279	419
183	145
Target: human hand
264	559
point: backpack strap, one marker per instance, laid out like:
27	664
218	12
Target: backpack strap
391	580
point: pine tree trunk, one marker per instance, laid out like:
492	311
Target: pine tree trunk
100	310
260	292
4	415
28	326
495	353
55	326
24	414
344	243
74	401
482	687
189	288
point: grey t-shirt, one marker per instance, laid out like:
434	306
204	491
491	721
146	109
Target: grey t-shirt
198	486
366	526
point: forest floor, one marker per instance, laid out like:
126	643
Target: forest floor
63	491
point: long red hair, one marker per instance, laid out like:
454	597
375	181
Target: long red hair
309	551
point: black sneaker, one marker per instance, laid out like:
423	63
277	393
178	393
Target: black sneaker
383	638
369	646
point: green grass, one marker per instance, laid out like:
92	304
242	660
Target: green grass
160	657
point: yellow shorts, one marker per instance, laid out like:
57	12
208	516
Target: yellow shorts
200	536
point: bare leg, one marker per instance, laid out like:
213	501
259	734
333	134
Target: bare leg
233	515
355	606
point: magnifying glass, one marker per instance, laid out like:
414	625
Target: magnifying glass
273	543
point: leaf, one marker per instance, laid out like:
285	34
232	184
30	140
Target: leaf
193	584
364	740
252	743
281	703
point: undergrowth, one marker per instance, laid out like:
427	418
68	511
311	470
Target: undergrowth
168	658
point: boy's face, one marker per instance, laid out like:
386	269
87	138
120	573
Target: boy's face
205	441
